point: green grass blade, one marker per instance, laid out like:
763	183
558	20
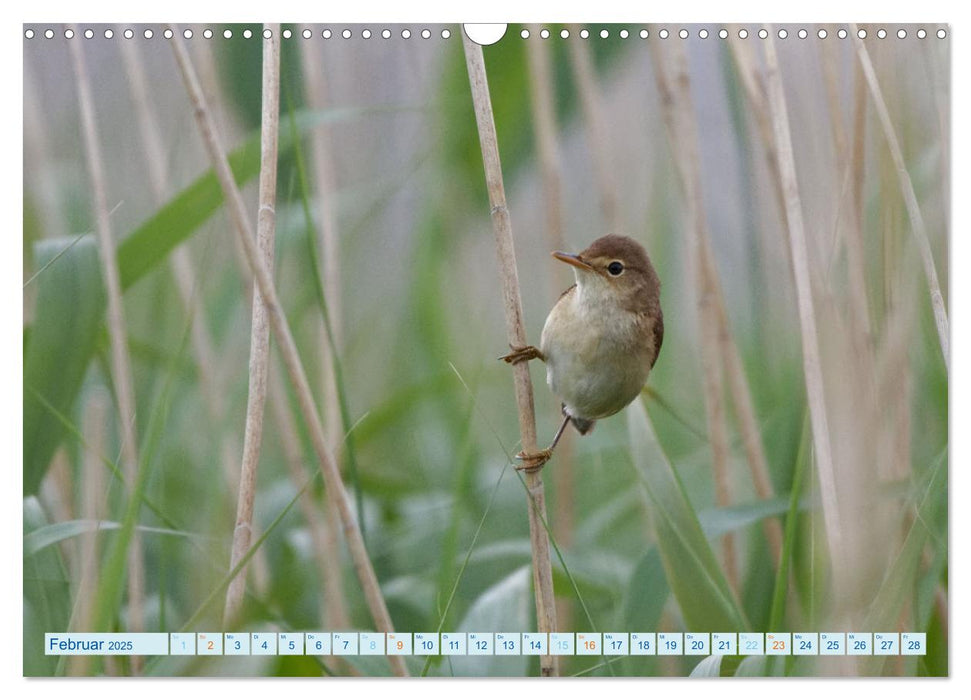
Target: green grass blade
48	535
70	307
698	584
789	538
112	576
116	474
47	595
350	453
148	245
643	612
708	667
465	563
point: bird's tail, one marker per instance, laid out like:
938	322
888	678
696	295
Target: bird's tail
583	425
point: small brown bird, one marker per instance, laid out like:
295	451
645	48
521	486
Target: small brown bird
602	336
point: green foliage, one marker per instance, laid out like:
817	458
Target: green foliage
706	601
69	310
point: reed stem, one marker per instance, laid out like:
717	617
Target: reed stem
96	408
910	198
118	338
516	334
335	605
544	122
590	101
260	330
799	254
679	119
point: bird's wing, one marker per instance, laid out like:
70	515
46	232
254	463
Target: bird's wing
658	336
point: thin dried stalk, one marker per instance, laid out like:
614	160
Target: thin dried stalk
95	416
855	256
807	315
755	92
831	83
326	551
185	277
910	197
544	127
288	349
120	362
57	494
328	244
544	123
516	334
590	101
738	384
679	119
260	332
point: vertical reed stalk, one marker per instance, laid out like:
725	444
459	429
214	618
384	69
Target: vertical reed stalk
855	256
679	119
120	362
329	246
807	315
831	82
755	92
516	334
260	333
590	101
95	416
287	347
910	197
185	277
541	80
57	495
544	122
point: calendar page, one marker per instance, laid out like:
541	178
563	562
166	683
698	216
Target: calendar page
608	350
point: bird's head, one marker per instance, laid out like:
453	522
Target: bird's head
615	271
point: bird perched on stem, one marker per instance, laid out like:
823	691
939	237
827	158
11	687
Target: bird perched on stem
602	336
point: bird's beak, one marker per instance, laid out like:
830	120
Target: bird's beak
574	260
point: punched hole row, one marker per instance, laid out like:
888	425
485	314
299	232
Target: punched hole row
446	33
724	33
246	34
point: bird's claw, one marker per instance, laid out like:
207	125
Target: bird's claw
533	460
522	354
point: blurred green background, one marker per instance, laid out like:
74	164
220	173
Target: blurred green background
430	420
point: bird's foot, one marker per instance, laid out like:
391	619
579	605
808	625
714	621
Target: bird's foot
523	354
533	460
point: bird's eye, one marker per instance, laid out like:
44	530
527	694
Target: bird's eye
615	268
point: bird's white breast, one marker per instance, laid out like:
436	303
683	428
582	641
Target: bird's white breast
596	360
